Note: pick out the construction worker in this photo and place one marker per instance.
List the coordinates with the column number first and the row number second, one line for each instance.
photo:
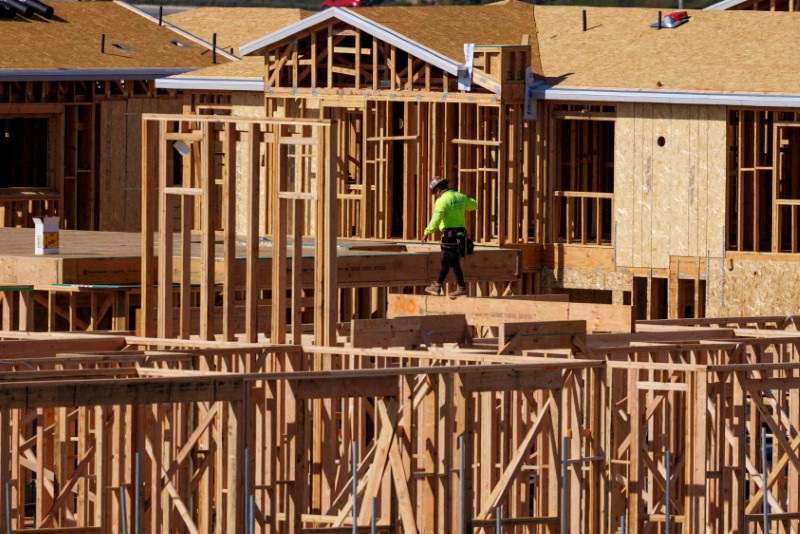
column 449, row 216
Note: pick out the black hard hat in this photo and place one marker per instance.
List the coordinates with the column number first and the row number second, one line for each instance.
column 438, row 182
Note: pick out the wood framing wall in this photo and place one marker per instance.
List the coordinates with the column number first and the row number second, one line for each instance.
column 403, row 121
column 609, row 421
column 93, row 147
column 672, row 168
column 199, row 193
column 597, row 196
column 669, row 199
column 119, row 138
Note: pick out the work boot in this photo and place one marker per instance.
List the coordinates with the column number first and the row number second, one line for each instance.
column 460, row 290
column 434, row 289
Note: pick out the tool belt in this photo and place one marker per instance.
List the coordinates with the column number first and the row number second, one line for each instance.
column 457, row 240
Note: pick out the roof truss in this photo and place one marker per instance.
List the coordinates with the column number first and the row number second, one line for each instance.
column 337, row 49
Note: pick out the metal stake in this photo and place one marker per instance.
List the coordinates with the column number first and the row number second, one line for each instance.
column 8, row 506
column 251, row 521
column 355, row 487
column 123, row 511
column 764, row 501
column 564, row 486
column 137, row 498
column 462, row 489
column 722, row 283
column 374, row 523
column 246, row 489
column 666, row 496
column 498, row 518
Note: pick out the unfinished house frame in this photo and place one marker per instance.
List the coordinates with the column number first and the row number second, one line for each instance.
column 288, row 379
column 70, row 111
column 614, row 190
column 658, row 429
column 401, row 120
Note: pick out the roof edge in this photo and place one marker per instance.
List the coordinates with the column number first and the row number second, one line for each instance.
column 723, row 5
column 542, row 92
column 213, row 84
column 350, row 17
column 178, row 30
column 545, row 92
column 287, row 31
column 34, row 75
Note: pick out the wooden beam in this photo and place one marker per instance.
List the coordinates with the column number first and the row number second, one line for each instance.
column 494, row 312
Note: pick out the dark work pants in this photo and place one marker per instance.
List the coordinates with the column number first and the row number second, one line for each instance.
column 450, row 255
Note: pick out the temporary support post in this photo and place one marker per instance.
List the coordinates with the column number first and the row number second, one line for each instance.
column 355, row 487
column 765, row 492
column 137, row 495
column 666, row 493
column 462, row 527
column 374, row 524
column 564, row 463
column 123, row 512
column 8, row 506
column 251, row 517
column 498, row 525
column 246, row 491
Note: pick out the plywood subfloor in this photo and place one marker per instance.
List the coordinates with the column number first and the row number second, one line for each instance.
column 101, row 258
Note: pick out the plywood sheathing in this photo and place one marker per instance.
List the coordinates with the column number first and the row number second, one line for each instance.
column 668, row 198
column 71, row 40
column 445, row 29
column 554, row 280
column 764, row 5
column 248, row 105
column 754, row 284
column 119, row 149
column 235, row 26
column 717, row 51
column 249, row 68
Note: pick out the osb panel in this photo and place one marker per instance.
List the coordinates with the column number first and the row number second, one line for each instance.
column 715, row 51
column 624, row 180
column 669, row 199
column 249, row 68
column 246, row 105
column 120, row 158
column 701, row 159
column 662, row 178
column 445, row 29
column 643, row 184
column 680, row 182
column 753, row 287
column 133, row 163
column 235, row 26
column 716, row 164
column 554, row 280
column 111, row 170
column 72, row 41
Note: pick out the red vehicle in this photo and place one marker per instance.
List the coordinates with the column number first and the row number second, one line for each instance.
column 345, row 3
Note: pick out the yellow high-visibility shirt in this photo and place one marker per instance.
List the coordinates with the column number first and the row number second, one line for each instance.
column 450, row 211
